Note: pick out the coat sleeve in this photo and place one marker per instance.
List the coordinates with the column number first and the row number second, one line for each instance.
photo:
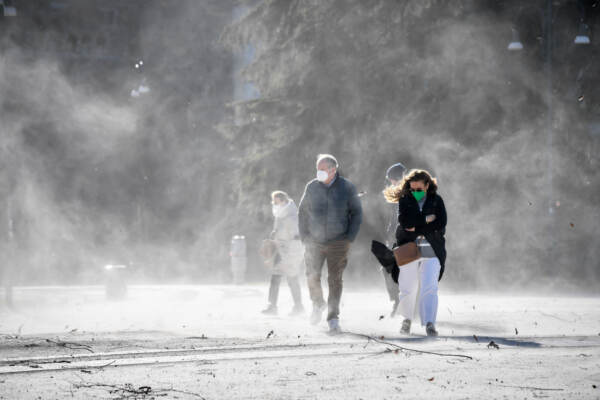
column 409, row 213
column 303, row 210
column 276, row 228
column 295, row 231
column 403, row 236
column 440, row 218
column 354, row 214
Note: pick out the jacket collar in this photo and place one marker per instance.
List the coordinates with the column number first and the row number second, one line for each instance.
column 334, row 180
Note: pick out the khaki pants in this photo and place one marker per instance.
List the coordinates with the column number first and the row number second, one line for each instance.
column 336, row 254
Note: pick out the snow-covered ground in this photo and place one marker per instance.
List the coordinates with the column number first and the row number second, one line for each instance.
column 212, row 342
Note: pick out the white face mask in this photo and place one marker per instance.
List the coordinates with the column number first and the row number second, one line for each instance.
column 322, row 175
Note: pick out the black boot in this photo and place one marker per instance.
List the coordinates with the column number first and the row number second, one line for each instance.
column 430, row 329
column 405, row 327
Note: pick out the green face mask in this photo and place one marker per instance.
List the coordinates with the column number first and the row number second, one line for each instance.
column 418, row 195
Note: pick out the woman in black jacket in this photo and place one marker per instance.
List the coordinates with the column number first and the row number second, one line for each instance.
column 422, row 219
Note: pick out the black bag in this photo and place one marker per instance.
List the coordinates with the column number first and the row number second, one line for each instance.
column 386, row 258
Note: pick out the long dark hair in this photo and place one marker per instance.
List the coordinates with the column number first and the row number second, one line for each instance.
column 393, row 194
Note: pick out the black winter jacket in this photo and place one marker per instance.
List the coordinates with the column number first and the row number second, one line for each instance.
column 410, row 216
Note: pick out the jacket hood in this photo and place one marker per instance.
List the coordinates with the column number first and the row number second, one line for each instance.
column 287, row 210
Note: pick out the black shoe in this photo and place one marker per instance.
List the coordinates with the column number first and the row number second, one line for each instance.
column 270, row 310
column 405, row 327
column 430, row 329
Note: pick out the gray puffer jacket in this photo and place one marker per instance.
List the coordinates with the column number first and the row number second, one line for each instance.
column 329, row 213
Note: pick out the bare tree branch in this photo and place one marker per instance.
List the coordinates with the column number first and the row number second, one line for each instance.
column 406, row 348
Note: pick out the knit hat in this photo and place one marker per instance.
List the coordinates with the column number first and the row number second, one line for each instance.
column 395, row 172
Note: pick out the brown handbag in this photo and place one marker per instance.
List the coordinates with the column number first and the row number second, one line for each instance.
column 268, row 251
column 406, row 253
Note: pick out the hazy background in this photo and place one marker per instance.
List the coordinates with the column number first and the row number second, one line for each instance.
column 96, row 169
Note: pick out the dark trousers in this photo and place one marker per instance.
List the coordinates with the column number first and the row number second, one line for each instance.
column 336, row 254
column 294, row 285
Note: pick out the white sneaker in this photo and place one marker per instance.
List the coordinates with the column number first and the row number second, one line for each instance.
column 270, row 310
column 297, row 310
column 334, row 326
column 317, row 314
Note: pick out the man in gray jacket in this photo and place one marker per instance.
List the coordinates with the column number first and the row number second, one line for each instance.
column 330, row 215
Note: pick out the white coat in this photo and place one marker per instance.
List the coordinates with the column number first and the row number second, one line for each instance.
column 285, row 234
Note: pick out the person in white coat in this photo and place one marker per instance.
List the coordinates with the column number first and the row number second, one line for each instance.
column 394, row 176
column 287, row 257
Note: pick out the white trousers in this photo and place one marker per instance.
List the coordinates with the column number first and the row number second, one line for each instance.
column 419, row 279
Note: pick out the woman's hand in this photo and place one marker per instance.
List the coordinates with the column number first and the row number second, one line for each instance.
column 410, row 229
column 430, row 218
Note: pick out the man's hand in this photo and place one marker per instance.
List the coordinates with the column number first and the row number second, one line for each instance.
column 430, row 218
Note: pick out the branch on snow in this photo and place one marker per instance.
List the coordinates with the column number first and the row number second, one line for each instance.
column 406, row 348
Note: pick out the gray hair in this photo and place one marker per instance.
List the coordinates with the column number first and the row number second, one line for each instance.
column 329, row 159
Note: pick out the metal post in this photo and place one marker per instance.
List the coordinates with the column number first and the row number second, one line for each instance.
column 10, row 259
column 549, row 125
